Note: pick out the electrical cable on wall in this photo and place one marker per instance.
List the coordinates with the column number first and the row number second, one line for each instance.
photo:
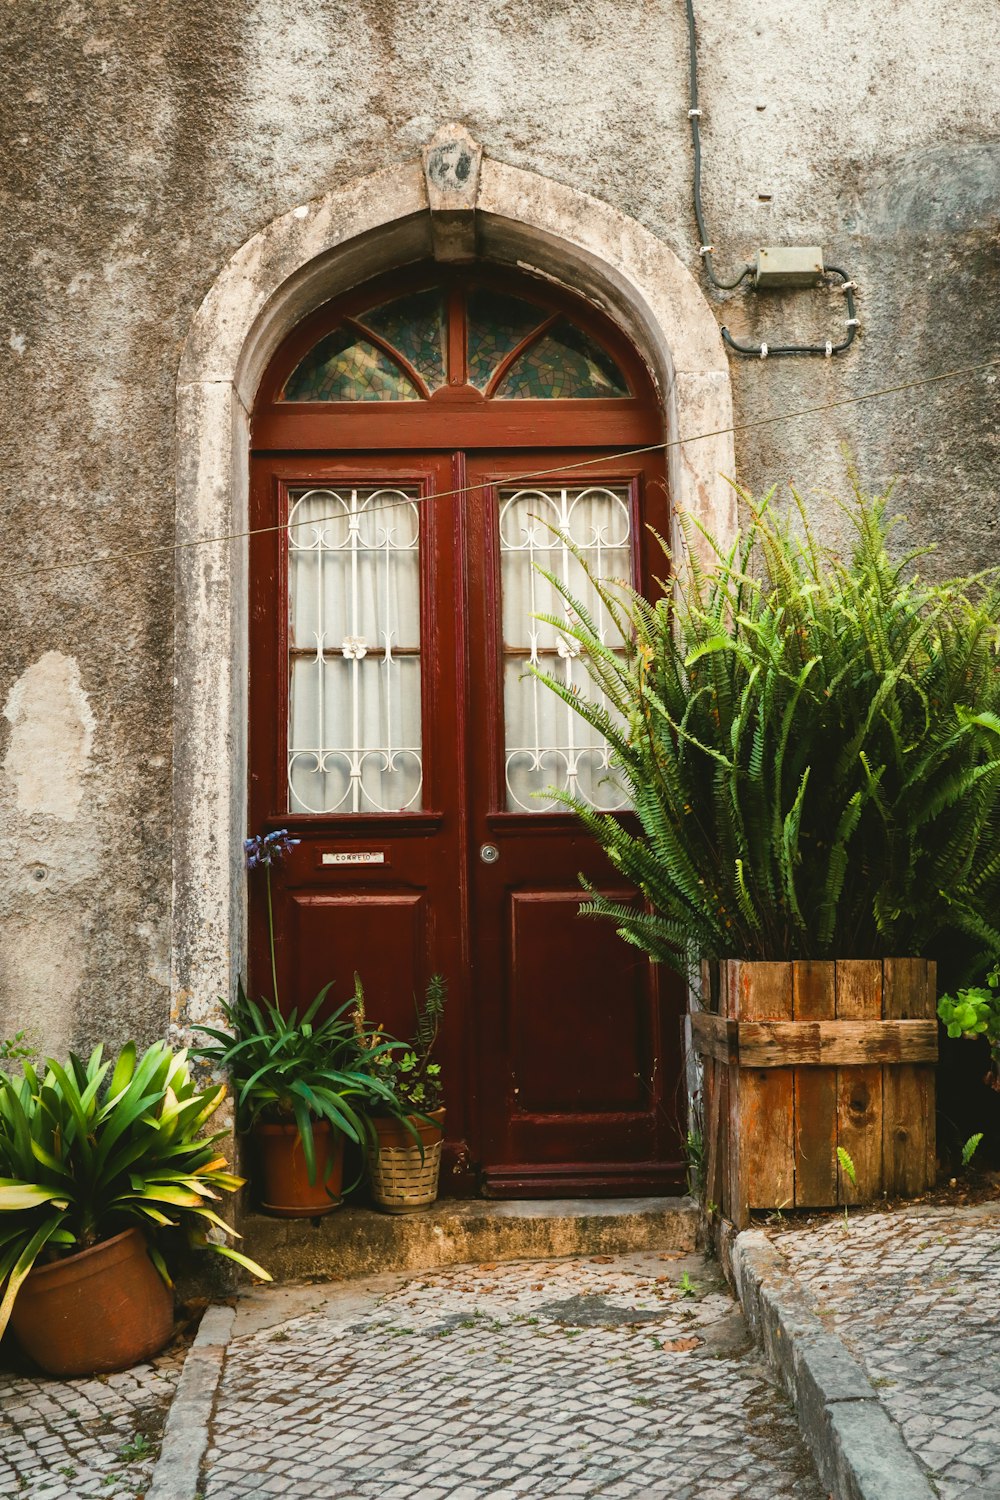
column 775, row 267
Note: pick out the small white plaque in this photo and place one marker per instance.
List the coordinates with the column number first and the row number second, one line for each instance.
column 356, row 857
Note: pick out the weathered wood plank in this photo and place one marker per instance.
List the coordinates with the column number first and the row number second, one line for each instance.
column 931, row 1160
column 859, row 1089
column 765, row 1112
column 714, row 1036
column 714, row 1108
column 814, row 999
column 711, row 1095
column 786, row 1044
column 908, row 1091
column 736, row 1208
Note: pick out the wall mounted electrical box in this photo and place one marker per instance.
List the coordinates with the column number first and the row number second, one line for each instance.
column 789, row 265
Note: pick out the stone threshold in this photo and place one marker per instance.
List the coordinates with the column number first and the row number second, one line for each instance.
column 363, row 1242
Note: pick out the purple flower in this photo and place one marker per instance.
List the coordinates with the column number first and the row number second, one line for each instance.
column 266, row 849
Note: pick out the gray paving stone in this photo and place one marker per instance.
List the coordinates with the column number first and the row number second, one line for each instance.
column 914, row 1293
column 505, row 1382
column 49, row 1427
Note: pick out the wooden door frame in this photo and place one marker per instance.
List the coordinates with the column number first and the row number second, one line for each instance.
column 292, row 265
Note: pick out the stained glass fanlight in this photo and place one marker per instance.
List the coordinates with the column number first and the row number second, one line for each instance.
column 497, row 323
column 344, row 367
column 565, row 363
column 398, row 350
column 417, row 326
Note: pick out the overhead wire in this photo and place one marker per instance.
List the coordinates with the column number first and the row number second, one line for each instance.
column 604, row 458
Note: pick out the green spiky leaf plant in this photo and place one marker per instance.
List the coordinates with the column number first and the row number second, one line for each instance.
column 87, row 1151
column 811, row 747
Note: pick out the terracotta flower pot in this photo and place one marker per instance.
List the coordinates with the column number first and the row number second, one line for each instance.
column 285, row 1189
column 102, row 1309
column 401, row 1181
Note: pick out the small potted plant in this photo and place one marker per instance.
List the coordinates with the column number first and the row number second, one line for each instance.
column 99, row 1167
column 404, row 1158
column 299, row 1085
column 301, row 1090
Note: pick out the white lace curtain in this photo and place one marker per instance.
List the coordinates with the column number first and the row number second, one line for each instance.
column 354, row 733
column 547, row 744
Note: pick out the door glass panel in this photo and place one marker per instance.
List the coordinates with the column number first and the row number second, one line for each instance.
column 354, row 728
column 344, row 367
column 566, row 364
column 547, row 744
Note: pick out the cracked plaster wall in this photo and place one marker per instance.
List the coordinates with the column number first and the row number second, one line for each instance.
column 143, row 145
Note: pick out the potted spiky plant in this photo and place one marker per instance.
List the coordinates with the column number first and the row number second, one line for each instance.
column 99, row 1167
column 302, row 1088
column 811, row 747
column 404, row 1156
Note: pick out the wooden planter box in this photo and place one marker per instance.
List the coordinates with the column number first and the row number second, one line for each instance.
column 801, row 1058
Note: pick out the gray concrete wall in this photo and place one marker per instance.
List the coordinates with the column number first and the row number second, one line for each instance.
column 144, row 144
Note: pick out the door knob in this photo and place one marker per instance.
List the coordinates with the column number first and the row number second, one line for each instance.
column 489, row 854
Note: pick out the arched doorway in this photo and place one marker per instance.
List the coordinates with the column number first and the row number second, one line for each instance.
column 425, row 441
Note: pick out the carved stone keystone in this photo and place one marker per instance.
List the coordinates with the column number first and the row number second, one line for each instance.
column 451, row 169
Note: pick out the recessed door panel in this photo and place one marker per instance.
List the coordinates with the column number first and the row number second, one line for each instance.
column 381, row 935
column 562, row 968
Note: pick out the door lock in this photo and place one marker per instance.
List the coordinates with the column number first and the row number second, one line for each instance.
column 489, row 854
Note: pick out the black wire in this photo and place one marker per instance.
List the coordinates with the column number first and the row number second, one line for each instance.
column 699, row 213
column 757, row 350
column 845, row 343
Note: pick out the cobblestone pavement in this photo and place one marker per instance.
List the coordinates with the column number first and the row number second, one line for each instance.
column 915, row 1295
column 60, row 1439
column 615, row 1377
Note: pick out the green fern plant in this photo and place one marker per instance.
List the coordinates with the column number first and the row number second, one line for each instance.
column 811, row 747
column 971, row 1147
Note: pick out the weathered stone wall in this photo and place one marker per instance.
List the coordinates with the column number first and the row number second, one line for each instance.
column 144, row 144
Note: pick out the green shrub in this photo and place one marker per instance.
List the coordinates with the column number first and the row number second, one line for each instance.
column 812, row 749
column 975, row 1012
column 85, row 1155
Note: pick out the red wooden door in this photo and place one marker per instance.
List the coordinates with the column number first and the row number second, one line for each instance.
column 374, row 886
column 577, row 1032
column 395, row 730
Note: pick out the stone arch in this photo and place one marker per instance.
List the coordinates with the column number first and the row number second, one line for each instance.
column 293, row 265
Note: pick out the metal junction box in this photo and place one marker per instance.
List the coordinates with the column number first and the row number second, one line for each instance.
column 789, row 265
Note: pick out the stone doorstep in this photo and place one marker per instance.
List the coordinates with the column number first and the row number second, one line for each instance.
column 354, row 1242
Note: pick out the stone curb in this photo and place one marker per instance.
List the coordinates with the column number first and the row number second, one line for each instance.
column 185, row 1437
column 858, row 1449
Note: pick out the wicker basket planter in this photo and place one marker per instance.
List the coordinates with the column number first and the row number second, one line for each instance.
column 402, row 1182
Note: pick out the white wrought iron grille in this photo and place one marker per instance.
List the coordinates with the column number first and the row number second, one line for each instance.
column 354, row 731
column 546, row 743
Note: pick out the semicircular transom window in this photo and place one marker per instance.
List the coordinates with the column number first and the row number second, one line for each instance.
column 506, row 347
